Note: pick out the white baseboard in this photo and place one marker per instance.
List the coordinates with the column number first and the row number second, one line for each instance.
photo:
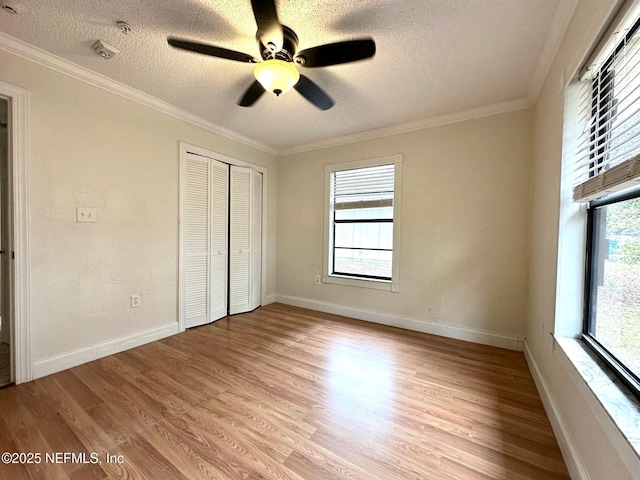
column 510, row 342
column 63, row 361
column 571, row 455
column 269, row 299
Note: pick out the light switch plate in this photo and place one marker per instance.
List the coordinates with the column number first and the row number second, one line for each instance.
column 85, row 214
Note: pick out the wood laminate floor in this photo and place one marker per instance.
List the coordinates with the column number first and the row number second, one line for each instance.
column 286, row 393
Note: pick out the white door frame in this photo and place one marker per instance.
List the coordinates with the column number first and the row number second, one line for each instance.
column 18, row 252
column 188, row 148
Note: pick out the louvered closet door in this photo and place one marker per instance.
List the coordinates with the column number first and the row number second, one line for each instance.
column 219, row 238
column 240, row 240
column 196, row 240
column 206, row 246
column 256, row 240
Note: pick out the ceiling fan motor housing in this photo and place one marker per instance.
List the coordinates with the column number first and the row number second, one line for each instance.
column 289, row 46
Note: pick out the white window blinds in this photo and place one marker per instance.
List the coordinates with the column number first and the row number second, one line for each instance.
column 363, row 188
column 608, row 154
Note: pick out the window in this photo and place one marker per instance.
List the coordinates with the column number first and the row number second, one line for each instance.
column 361, row 226
column 362, row 222
column 608, row 170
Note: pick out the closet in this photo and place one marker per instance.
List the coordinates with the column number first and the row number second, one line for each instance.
column 221, row 267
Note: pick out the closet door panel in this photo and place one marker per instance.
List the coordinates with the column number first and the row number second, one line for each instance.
column 256, row 240
column 240, row 239
column 196, row 241
column 219, row 239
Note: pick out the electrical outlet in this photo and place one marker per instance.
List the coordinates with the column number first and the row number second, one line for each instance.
column 317, row 280
column 85, row 214
column 135, row 300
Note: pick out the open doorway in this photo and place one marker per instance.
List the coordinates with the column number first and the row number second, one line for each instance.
column 14, row 231
column 5, row 315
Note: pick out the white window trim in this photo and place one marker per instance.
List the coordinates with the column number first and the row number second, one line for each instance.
column 394, row 284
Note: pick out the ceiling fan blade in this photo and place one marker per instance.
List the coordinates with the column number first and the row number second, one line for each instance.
column 253, row 93
column 312, row 92
column 269, row 27
column 210, row 50
column 336, row 53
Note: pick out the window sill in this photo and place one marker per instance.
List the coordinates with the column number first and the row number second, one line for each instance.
column 358, row 282
column 618, row 402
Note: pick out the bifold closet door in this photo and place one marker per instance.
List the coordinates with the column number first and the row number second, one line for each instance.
column 256, row 241
column 205, row 240
column 240, row 239
column 245, row 235
column 219, row 235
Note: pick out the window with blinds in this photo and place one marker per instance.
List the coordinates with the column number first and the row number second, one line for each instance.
column 608, row 161
column 362, row 222
column 608, row 155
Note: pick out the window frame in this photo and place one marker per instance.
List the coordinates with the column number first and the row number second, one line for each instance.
column 390, row 284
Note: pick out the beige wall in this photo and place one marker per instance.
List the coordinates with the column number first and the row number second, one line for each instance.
column 588, row 427
column 91, row 148
column 464, row 237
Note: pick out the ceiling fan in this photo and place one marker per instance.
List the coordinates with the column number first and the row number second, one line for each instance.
column 277, row 71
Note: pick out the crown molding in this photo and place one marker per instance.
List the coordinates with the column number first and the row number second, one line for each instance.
column 470, row 114
column 41, row 57
column 559, row 25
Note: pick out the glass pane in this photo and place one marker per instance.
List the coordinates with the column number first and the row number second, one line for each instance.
column 615, row 281
column 365, row 213
column 364, row 235
column 363, row 262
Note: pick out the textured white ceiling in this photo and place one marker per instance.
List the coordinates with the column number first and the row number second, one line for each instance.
column 434, row 57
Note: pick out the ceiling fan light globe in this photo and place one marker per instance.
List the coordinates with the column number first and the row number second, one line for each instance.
column 276, row 76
